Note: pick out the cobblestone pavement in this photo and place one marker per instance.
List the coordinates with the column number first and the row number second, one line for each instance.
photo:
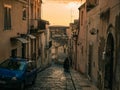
column 54, row 78
column 81, row 82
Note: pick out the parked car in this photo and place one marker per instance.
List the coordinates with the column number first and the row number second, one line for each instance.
column 17, row 72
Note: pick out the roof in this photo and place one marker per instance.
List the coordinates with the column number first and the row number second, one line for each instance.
column 21, row 39
column 31, row 36
column 59, row 26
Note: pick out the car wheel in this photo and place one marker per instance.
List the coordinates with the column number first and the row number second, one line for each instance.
column 22, row 86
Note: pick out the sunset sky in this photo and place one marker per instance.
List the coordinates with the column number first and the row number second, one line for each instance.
column 60, row 12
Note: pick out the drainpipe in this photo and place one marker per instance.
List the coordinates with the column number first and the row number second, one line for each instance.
column 76, row 68
column 28, row 31
column 28, row 23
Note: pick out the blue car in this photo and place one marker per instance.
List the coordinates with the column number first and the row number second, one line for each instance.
column 17, row 72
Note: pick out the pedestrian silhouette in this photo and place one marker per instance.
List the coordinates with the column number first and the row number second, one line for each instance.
column 66, row 65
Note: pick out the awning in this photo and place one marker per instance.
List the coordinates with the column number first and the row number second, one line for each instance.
column 22, row 40
column 31, row 36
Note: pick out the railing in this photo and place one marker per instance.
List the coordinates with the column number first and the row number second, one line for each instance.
column 37, row 25
column 42, row 24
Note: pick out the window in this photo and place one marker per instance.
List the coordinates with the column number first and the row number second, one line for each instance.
column 38, row 12
column 32, row 11
column 24, row 13
column 35, row 9
column 7, row 17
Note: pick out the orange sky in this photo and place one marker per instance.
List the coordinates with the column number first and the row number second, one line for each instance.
column 60, row 12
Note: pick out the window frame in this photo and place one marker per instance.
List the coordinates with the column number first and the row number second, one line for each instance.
column 7, row 17
column 24, row 13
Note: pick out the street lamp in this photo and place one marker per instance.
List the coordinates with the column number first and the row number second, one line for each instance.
column 93, row 31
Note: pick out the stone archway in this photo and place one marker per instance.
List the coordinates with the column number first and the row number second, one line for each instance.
column 108, row 75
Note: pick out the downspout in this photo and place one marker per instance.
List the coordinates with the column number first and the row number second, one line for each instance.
column 76, row 68
column 28, row 31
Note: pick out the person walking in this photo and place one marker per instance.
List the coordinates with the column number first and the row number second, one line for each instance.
column 66, row 65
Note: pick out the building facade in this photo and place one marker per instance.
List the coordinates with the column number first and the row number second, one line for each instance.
column 102, row 28
column 13, row 17
column 81, row 41
column 23, row 33
column 40, row 29
column 101, row 45
column 72, row 50
column 59, row 41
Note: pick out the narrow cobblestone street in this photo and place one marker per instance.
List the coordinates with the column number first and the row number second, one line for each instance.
column 54, row 78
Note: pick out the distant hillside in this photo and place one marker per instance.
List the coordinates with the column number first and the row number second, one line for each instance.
column 59, row 26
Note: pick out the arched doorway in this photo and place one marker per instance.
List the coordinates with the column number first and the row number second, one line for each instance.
column 108, row 75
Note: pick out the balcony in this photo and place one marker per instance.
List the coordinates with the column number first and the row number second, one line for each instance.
column 42, row 24
column 91, row 4
column 38, row 26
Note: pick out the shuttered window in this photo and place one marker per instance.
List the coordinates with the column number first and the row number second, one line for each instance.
column 7, row 17
column 24, row 14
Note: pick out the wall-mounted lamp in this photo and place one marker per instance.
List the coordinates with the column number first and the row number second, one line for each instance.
column 93, row 31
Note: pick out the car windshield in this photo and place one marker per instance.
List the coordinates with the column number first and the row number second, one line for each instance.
column 13, row 65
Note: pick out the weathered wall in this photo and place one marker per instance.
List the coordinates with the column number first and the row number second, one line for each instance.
column 18, row 26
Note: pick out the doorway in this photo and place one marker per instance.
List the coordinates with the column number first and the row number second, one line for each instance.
column 90, row 60
column 14, row 53
column 108, row 75
column 23, row 50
